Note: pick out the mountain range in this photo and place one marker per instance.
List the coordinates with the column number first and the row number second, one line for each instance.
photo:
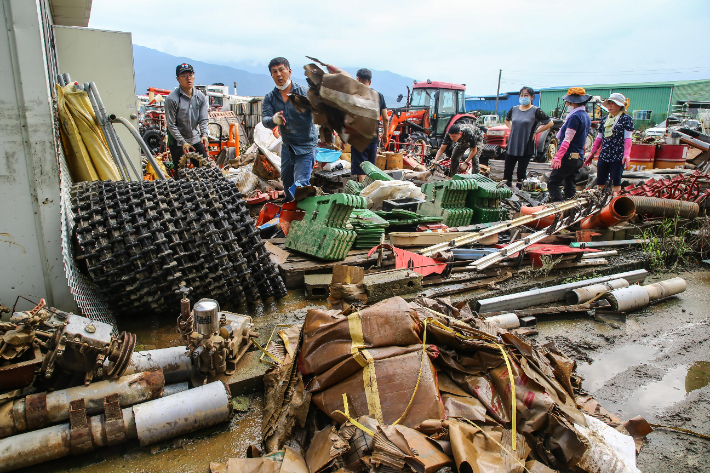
column 154, row 68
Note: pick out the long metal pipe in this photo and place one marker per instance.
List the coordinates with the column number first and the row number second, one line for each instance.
column 104, row 128
column 154, row 421
column 523, row 220
column 67, row 78
column 584, row 294
column 110, row 131
column 175, row 362
column 525, row 299
column 142, row 144
column 42, row 409
column 604, row 244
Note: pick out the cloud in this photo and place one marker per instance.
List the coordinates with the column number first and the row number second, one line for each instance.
column 540, row 43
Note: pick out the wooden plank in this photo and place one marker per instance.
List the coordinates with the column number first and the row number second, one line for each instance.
column 277, row 255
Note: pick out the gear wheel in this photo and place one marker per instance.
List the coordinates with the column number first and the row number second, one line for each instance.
column 192, row 155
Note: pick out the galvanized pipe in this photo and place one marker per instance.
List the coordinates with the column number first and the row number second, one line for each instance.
column 153, row 421
column 583, row 294
column 657, row 207
column 604, row 244
column 525, row 299
column 669, row 287
column 142, row 144
column 628, row 298
column 67, row 78
column 104, row 128
column 50, row 408
column 175, row 362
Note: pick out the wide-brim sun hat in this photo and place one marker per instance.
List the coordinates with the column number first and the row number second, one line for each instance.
column 577, row 95
column 617, row 98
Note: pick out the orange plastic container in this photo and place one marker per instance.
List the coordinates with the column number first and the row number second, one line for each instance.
column 642, row 157
column 670, row 156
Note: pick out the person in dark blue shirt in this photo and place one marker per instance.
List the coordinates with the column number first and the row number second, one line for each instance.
column 364, row 76
column 573, row 137
column 300, row 140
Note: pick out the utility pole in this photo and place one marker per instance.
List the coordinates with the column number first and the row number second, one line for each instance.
column 500, row 71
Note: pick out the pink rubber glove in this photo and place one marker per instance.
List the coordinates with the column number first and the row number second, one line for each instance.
column 595, row 147
column 627, row 153
column 557, row 161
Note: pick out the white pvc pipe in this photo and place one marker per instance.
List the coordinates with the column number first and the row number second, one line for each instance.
column 665, row 288
column 628, row 298
column 506, row 321
column 584, row 294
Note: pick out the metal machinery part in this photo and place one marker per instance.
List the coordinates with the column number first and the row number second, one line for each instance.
column 175, row 362
column 216, row 340
column 152, row 421
column 81, row 345
column 140, row 240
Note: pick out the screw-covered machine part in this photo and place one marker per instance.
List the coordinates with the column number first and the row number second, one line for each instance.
column 140, row 240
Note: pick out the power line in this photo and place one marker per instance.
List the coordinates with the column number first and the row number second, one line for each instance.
column 605, row 74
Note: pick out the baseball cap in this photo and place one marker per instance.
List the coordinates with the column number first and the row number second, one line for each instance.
column 184, row 67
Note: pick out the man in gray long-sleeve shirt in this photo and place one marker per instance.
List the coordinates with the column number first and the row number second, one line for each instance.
column 298, row 153
column 185, row 110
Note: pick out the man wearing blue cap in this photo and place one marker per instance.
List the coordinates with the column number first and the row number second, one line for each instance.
column 186, row 116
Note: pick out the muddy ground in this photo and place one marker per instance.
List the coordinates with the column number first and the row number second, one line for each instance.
column 657, row 364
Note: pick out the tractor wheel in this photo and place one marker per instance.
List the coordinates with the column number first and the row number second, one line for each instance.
column 590, row 141
column 549, row 150
column 421, row 146
column 153, row 138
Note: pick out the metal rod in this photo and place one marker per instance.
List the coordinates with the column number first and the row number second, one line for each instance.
column 125, row 153
column 142, row 144
column 602, row 244
column 103, row 125
column 109, row 129
column 60, row 80
column 474, row 237
column 525, row 299
column 67, row 78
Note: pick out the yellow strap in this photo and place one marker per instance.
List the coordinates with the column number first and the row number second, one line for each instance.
column 513, row 401
column 372, row 394
column 278, row 362
column 353, row 421
column 515, row 457
column 419, row 378
column 358, row 339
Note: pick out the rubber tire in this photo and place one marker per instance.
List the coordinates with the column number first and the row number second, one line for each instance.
column 549, row 150
column 153, row 138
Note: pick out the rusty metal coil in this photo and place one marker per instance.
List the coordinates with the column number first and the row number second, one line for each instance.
column 656, row 207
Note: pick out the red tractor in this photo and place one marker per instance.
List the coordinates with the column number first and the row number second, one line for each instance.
column 420, row 126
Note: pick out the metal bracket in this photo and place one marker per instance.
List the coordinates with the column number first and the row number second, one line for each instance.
column 79, row 431
column 36, row 411
column 113, row 423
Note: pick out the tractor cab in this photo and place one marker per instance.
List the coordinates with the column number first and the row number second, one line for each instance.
column 432, row 107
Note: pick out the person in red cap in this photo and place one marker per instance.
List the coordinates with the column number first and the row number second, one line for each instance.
column 614, row 139
column 186, row 116
column 573, row 137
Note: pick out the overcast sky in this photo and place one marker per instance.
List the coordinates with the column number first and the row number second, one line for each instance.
column 536, row 43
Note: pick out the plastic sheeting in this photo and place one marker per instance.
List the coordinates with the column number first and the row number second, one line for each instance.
column 268, row 144
column 379, row 191
column 84, row 143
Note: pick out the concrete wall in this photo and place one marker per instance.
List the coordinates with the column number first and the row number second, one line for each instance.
column 106, row 58
column 30, row 228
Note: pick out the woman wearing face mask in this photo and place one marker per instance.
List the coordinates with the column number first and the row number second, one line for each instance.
column 573, row 136
column 525, row 121
column 614, row 139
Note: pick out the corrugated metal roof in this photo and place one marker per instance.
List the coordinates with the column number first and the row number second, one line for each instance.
column 637, row 84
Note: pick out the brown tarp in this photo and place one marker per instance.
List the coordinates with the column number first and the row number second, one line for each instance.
column 331, row 337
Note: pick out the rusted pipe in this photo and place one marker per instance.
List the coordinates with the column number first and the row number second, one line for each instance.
column 153, row 421
column 42, row 409
column 656, row 207
column 619, row 209
column 175, row 363
column 583, row 294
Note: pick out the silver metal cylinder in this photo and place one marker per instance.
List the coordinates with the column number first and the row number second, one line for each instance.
column 184, row 412
column 205, row 316
column 628, row 298
column 131, row 390
column 171, row 389
column 666, row 288
column 175, row 363
column 583, row 294
column 507, row 321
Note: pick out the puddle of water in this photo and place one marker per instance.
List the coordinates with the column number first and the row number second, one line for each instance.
column 607, row 365
column 675, row 385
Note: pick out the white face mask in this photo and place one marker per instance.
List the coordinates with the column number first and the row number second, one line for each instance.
column 570, row 108
column 285, row 86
